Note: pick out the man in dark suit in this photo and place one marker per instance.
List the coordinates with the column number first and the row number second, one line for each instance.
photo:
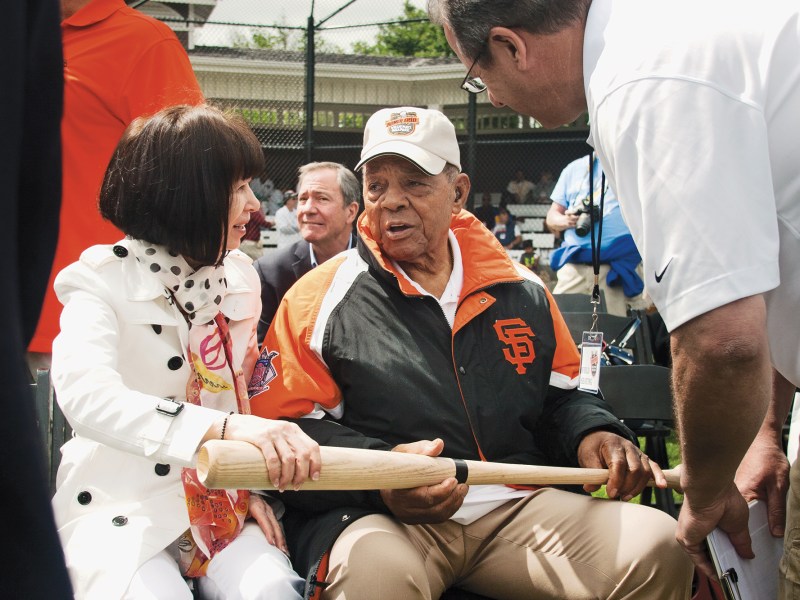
column 30, row 194
column 328, row 199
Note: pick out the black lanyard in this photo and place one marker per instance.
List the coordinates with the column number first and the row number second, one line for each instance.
column 596, row 245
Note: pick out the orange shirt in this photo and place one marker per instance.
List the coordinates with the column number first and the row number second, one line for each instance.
column 118, row 64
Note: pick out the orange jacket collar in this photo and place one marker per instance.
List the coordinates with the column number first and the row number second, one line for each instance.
column 485, row 260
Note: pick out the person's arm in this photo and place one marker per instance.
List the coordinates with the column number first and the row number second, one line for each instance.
column 722, row 384
column 298, row 386
column 557, row 218
column 764, row 471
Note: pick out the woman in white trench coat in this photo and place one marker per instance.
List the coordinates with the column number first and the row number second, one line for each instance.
column 158, row 337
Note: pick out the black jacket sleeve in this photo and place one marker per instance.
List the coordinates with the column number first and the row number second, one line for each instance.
column 569, row 415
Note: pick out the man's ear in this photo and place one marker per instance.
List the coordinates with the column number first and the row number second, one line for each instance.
column 462, row 187
column 508, row 44
column 352, row 212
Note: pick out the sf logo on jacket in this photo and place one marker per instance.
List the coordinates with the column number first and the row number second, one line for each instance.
column 518, row 336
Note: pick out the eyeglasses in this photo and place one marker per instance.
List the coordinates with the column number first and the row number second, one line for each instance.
column 474, row 85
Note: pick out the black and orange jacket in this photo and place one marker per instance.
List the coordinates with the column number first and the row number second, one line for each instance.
column 357, row 347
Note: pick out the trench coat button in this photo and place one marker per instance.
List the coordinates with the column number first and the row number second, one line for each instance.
column 162, row 469
column 175, row 363
column 120, row 251
column 462, row 370
column 119, row 521
column 156, row 328
column 345, row 517
column 484, row 300
column 84, row 498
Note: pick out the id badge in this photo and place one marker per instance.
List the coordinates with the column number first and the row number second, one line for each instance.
column 591, row 352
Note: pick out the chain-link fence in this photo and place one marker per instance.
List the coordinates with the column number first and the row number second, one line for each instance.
column 307, row 105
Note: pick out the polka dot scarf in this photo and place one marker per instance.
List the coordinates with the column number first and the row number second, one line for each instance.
column 198, row 293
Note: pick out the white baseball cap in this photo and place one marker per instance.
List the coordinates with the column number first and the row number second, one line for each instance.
column 424, row 136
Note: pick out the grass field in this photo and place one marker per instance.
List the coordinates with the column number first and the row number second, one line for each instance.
column 674, row 453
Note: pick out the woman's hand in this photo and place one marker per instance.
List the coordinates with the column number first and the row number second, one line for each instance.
column 290, row 455
column 262, row 512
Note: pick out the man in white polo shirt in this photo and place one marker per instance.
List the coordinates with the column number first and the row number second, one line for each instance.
column 695, row 116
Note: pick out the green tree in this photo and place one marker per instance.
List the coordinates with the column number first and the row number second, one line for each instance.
column 414, row 36
column 283, row 38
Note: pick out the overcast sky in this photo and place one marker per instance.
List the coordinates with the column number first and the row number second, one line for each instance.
column 296, row 12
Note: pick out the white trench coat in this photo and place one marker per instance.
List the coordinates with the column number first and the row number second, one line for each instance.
column 120, row 498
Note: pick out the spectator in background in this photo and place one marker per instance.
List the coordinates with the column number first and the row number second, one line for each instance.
column 329, row 197
column 544, row 187
column 505, row 230
column 286, row 221
column 528, row 256
column 118, row 64
column 271, row 197
column 263, row 187
column 32, row 566
column 251, row 242
column 487, row 213
column 519, row 189
column 620, row 263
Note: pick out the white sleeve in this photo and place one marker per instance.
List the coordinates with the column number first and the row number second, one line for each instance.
column 285, row 222
column 690, row 165
column 96, row 401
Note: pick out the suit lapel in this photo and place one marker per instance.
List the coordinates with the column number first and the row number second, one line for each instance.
column 302, row 254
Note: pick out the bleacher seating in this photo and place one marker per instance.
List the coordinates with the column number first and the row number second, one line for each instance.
column 529, row 210
column 541, row 240
column 531, row 224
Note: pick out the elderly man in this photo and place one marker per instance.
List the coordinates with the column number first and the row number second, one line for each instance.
column 703, row 158
column 427, row 338
column 328, row 196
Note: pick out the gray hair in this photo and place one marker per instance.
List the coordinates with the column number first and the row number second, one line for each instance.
column 472, row 20
column 345, row 178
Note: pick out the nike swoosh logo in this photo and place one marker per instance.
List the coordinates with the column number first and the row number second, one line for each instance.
column 660, row 276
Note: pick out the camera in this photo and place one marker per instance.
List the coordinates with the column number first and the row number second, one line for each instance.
column 584, row 212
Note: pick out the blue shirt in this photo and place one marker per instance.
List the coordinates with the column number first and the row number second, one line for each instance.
column 572, row 187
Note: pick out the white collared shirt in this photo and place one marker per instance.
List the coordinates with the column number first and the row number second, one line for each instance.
column 449, row 299
column 313, row 257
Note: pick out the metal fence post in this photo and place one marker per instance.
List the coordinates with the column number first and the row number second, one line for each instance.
column 310, row 67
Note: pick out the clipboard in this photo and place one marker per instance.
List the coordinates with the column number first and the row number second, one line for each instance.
column 742, row 578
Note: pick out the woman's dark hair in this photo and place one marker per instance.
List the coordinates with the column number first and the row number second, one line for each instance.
column 171, row 178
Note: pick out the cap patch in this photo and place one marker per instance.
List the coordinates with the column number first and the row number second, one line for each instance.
column 402, row 123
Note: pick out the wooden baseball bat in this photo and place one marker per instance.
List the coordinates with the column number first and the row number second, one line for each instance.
column 240, row 465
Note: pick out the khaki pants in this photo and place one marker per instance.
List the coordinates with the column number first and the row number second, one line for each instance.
column 579, row 279
column 551, row 544
column 789, row 580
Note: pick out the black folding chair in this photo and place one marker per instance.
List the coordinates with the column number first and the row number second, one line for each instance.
column 53, row 427
column 640, row 396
